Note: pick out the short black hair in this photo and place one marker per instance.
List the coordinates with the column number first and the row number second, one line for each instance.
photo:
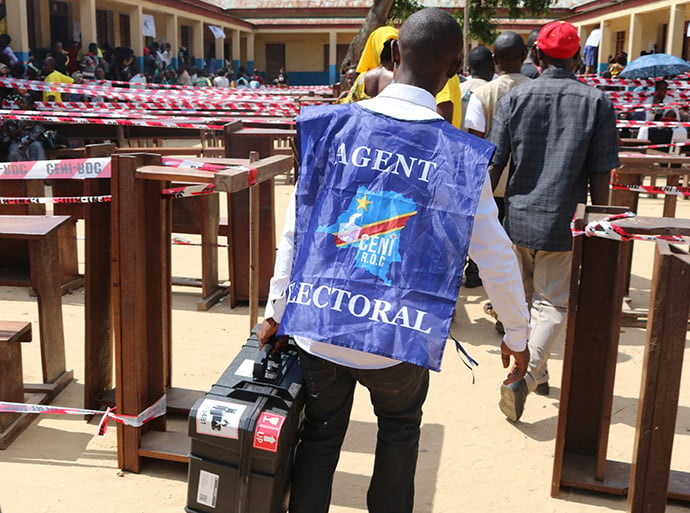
column 480, row 59
column 509, row 46
column 386, row 54
column 427, row 34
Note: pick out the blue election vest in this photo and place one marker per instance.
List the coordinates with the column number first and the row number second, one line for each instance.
column 384, row 216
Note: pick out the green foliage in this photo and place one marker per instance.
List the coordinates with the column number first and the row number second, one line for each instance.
column 483, row 12
column 401, row 10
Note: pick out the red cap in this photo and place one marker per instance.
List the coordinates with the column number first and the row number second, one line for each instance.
column 558, row 40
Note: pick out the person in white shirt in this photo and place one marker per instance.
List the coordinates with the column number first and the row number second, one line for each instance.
column 220, row 80
column 397, row 389
column 674, row 134
column 509, row 53
column 660, row 97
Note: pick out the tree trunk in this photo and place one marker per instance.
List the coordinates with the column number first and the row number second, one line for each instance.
column 377, row 16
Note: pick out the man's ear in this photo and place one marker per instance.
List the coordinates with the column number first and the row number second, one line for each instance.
column 395, row 52
column 455, row 68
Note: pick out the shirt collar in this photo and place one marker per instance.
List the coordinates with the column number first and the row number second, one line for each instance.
column 558, row 73
column 409, row 93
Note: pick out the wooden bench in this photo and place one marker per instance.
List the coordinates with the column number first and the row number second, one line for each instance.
column 41, row 234
column 589, row 365
column 12, row 333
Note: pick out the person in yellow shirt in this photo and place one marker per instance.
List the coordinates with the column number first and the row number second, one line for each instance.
column 449, row 101
column 375, row 65
column 52, row 75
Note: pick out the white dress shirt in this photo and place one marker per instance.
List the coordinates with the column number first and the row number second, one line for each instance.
column 489, row 247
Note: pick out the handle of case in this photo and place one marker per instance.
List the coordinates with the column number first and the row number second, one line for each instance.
column 261, row 361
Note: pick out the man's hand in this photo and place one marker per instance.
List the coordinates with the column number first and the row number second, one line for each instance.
column 519, row 367
column 266, row 331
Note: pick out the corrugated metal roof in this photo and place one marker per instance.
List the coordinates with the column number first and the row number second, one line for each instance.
column 263, row 22
column 346, row 4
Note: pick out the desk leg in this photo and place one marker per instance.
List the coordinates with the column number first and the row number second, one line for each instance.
column 661, row 377
column 670, row 199
column 209, row 219
column 45, row 279
column 98, row 339
column 589, row 360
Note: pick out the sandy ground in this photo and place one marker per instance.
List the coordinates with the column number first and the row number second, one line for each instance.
column 471, row 458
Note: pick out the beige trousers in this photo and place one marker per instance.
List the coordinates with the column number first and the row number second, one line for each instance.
column 546, row 278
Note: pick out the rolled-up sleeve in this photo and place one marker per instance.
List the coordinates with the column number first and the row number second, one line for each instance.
column 493, row 253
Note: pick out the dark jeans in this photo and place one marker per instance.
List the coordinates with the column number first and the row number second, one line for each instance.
column 397, row 394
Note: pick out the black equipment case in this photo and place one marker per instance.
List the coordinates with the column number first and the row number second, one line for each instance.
column 244, row 433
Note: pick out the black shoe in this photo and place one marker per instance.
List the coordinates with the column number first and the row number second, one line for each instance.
column 513, row 399
column 543, row 388
column 499, row 327
column 472, row 278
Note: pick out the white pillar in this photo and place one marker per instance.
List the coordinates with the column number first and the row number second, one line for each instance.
column 250, row 52
column 136, row 34
column 18, row 28
column 171, row 36
column 236, row 49
column 87, row 19
column 634, row 37
column 606, row 42
column 198, row 45
column 332, row 56
column 675, row 36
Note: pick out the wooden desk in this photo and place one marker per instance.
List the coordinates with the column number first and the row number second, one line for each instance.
column 239, row 144
column 41, row 233
column 12, row 334
column 15, row 253
column 635, row 166
column 141, row 280
column 589, row 363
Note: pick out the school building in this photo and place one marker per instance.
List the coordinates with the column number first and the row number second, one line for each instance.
column 633, row 26
column 308, row 37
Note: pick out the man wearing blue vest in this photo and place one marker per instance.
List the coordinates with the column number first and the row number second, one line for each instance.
column 390, row 197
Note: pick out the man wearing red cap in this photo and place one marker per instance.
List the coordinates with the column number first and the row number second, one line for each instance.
column 560, row 135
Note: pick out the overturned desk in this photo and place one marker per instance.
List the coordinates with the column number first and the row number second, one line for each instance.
column 589, row 367
column 142, row 288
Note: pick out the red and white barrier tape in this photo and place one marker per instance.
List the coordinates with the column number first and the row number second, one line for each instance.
column 669, row 190
column 58, row 119
column 288, row 109
column 55, row 200
column 180, row 241
column 640, row 107
column 657, row 146
column 189, row 191
column 625, row 123
column 117, row 93
column 595, row 80
column 97, row 168
column 156, row 410
column 66, row 168
column 605, row 228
